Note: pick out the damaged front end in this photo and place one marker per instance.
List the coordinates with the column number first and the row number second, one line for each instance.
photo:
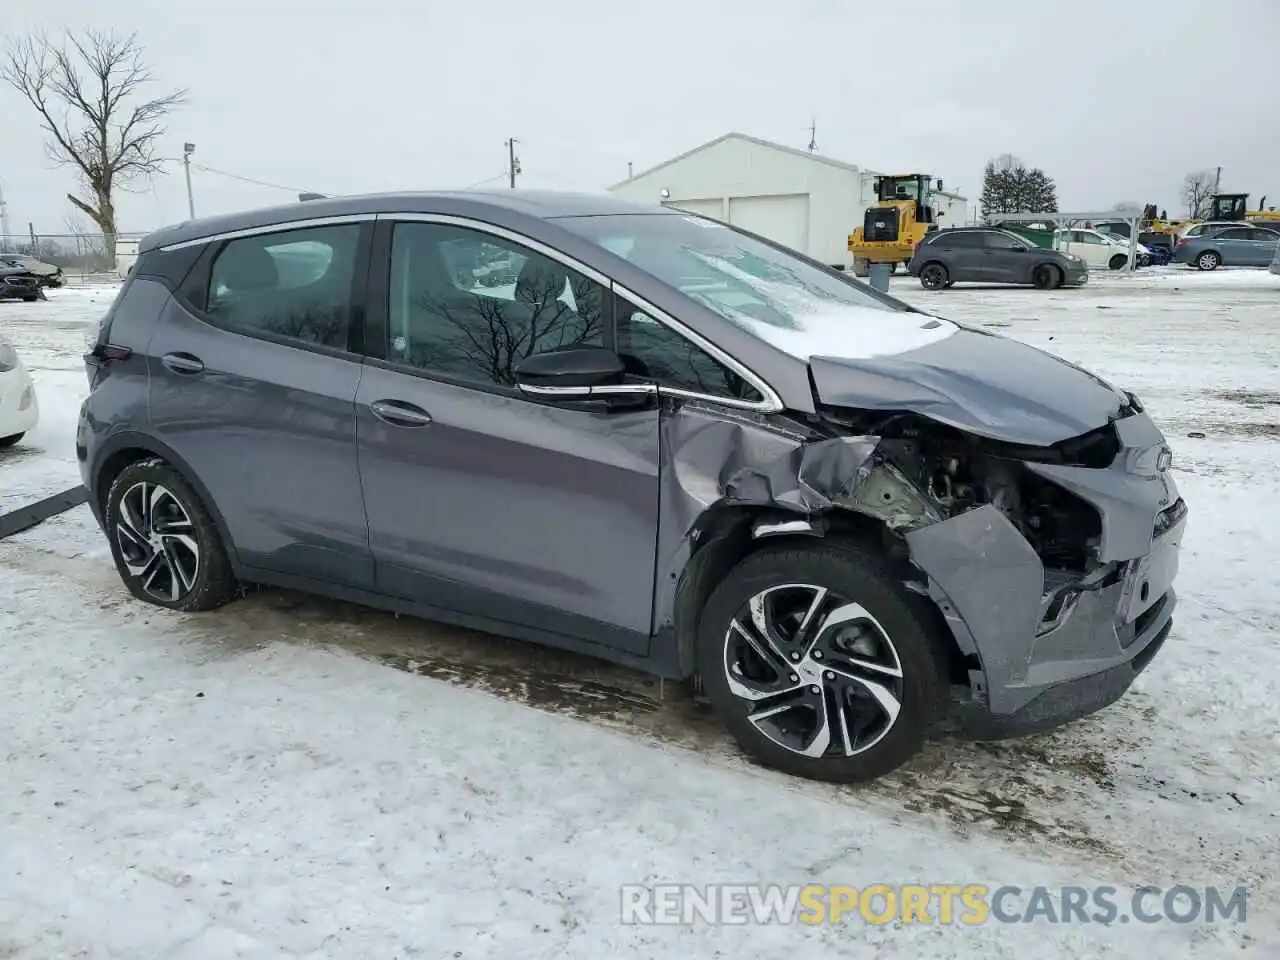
column 1051, row 565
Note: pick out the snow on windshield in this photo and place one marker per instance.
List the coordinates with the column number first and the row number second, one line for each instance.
column 789, row 303
column 805, row 321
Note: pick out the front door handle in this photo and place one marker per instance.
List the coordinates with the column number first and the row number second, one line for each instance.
column 182, row 363
column 399, row 413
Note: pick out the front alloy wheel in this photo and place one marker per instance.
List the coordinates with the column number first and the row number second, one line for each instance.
column 820, row 662
column 155, row 537
column 820, row 674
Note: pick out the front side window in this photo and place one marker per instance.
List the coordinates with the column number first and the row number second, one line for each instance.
column 294, row 284
column 653, row 351
column 469, row 306
column 796, row 306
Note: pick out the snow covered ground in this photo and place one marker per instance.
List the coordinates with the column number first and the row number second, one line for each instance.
column 295, row 777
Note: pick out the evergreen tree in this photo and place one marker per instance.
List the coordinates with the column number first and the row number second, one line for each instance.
column 1009, row 186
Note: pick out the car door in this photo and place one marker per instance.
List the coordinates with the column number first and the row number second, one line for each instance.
column 1090, row 248
column 253, row 373
column 481, row 501
column 1005, row 259
column 1261, row 246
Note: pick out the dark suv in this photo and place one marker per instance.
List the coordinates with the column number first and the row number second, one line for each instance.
column 663, row 441
column 985, row 255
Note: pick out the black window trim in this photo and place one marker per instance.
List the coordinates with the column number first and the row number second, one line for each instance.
column 378, row 317
column 198, row 277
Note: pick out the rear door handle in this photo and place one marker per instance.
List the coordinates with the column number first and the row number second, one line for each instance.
column 399, row 413
column 182, row 363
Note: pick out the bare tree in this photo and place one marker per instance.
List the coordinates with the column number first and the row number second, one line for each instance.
column 89, row 249
column 88, row 90
column 1197, row 193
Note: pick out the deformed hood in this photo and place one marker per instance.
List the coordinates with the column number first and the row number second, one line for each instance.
column 985, row 384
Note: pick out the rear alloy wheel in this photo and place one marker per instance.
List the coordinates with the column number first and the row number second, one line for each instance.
column 165, row 544
column 1209, row 260
column 819, row 663
column 1046, row 277
column 933, row 276
column 1118, row 262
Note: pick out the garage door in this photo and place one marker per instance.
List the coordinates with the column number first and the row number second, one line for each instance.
column 783, row 218
column 707, row 208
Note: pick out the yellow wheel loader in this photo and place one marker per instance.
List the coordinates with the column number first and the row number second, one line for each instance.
column 903, row 214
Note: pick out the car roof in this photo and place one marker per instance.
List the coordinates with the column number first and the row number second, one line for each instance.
column 539, row 204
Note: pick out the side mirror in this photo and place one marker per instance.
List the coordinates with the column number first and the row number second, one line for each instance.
column 575, row 372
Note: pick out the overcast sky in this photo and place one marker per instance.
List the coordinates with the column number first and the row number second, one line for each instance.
column 1115, row 99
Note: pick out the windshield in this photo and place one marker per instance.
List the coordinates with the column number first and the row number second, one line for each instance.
column 802, row 309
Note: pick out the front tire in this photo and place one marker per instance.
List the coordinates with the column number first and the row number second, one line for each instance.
column 1209, row 260
column 164, row 542
column 820, row 663
column 1046, row 277
column 10, row 440
column 1118, row 262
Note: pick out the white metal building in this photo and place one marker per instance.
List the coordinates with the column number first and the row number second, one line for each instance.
column 805, row 200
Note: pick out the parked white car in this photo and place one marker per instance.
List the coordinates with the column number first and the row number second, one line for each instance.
column 19, row 411
column 1098, row 249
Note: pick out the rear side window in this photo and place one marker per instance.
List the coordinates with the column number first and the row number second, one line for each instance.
column 965, row 240
column 294, row 284
column 1000, row 241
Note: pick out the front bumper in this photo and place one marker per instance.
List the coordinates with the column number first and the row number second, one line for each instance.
column 19, row 409
column 1051, row 646
column 1076, row 276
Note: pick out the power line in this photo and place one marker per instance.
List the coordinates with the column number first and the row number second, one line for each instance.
column 242, row 179
column 481, row 183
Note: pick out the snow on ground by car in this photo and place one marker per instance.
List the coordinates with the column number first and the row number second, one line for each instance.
column 261, row 781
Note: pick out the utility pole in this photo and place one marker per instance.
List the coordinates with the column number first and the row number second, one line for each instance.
column 187, row 150
column 4, row 222
column 813, row 135
column 630, row 176
column 513, row 162
column 1217, row 180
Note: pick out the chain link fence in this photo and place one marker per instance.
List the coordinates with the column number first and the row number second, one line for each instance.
column 83, row 257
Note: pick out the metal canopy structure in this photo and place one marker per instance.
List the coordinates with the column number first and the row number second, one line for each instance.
column 1068, row 219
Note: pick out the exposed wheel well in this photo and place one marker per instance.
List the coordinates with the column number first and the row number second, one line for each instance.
column 727, row 541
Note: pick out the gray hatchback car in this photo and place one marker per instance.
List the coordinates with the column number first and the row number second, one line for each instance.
column 664, row 442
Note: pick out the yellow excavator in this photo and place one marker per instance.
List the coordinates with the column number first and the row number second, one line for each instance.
column 903, row 214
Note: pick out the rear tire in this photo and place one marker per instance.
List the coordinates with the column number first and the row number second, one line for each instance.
column 164, row 542
column 845, row 678
column 1209, row 260
column 934, row 276
column 1046, row 277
